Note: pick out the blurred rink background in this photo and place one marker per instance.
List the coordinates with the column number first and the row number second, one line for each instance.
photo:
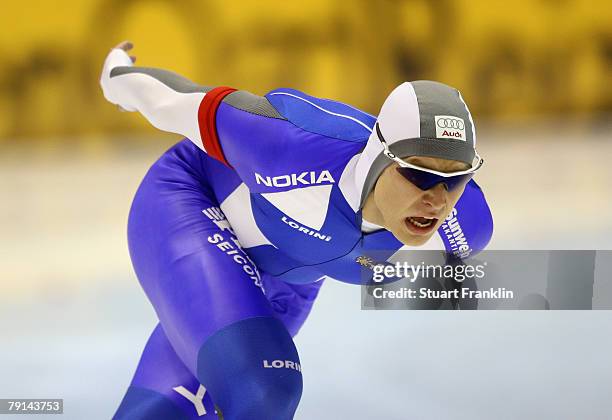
column 537, row 75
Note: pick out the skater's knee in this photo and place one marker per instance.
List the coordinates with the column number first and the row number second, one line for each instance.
column 252, row 370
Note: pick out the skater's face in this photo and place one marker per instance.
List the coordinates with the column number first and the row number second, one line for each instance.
column 412, row 214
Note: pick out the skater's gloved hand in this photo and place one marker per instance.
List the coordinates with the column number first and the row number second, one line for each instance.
column 118, row 56
column 126, row 46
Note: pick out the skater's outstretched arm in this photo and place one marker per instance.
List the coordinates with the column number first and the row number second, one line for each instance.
column 175, row 104
column 167, row 100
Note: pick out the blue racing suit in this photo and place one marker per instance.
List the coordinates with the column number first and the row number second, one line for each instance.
column 235, row 228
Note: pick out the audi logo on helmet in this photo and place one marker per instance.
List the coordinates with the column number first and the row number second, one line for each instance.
column 450, row 127
column 450, row 123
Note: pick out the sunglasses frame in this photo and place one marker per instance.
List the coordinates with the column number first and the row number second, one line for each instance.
column 404, row 164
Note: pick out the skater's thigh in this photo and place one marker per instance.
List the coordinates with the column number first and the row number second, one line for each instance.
column 207, row 292
column 186, row 257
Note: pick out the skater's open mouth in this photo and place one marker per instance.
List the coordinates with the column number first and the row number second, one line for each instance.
column 422, row 221
column 420, row 225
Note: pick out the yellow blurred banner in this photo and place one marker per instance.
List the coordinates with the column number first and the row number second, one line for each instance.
column 519, row 58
